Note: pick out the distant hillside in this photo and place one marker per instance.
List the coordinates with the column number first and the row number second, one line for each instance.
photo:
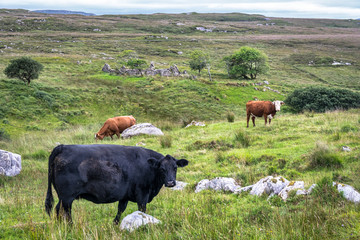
column 64, row 12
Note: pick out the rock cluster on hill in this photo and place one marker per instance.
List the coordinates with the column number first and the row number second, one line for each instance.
column 272, row 186
column 172, row 71
column 10, row 163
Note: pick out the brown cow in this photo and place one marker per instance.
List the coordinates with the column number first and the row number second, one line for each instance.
column 115, row 125
column 262, row 108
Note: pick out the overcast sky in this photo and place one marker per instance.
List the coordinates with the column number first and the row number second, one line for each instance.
column 344, row 9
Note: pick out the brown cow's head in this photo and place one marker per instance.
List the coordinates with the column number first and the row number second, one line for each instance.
column 97, row 136
column 278, row 104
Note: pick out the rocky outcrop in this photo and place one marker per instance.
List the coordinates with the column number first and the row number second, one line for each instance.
column 173, row 71
column 217, row 184
column 10, row 163
column 179, row 185
column 272, row 186
column 136, row 220
column 141, row 129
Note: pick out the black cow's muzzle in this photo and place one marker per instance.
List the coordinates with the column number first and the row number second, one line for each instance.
column 170, row 184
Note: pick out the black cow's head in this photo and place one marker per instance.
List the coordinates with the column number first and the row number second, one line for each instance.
column 167, row 168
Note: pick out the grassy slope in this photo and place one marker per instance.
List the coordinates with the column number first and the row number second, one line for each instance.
column 72, row 98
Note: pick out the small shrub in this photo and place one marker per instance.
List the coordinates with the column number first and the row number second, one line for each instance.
column 166, row 141
column 323, row 157
column 281, row 163
column 348, row 128
column 326, row 193
column 272, row 170
column 220, row 157
column 243, row 138
column 230, row 117
column 292, row 173
column 4, row 135
column 276, row 201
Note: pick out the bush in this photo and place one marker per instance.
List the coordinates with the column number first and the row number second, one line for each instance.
column 320, row 99
column 243, row 138
column 326, row 192
column 230, row 117
column 166, row 141
column 323, row 157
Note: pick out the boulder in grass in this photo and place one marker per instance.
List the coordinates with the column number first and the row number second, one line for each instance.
column 293, row 185
column 136, row 220
column 141, row 129
column 179, row 185
column 269, row 185
column 218, row 184
column 349, row 192
column 10, row 163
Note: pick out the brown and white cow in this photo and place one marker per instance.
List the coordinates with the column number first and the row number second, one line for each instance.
column 115, row 125
column 267, row 109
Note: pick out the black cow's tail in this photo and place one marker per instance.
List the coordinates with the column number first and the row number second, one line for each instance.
column 49, row 201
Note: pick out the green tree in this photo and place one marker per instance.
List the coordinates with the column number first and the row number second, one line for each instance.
column 199, row 60
column 246, row 63
column 24, row 68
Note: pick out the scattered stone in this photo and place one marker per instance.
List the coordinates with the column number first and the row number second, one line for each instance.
column 106, row 68
column 194, row 123
column 10, row 163
column 291, row 186
column 140, row 144
column 217, row 184
column 346, row 149
column 141, row 129
column 136, row 220
column 266, row 82
column 349, row 192
column 179, row 185
column 244, row 189
column 173, row 71
column 269, row 185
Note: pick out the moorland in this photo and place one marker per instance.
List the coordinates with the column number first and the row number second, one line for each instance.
column 73, row 97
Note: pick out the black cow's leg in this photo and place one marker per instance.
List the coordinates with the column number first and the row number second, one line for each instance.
column 253, row 120
column 67, row 211
column 64, row 208
column 121, row 208
column 142, row 207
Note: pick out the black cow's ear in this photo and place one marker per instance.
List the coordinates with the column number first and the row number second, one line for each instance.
column 154, row 163
column 182, row 162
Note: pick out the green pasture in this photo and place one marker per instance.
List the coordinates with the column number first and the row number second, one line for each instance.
column 72, row 98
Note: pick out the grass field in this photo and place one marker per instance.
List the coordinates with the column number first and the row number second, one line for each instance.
column 73, row 97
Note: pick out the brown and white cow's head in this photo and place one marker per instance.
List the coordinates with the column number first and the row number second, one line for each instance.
column 98, row 136
column 277, row 105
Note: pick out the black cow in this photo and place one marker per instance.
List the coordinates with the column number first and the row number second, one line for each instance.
column 106, row 174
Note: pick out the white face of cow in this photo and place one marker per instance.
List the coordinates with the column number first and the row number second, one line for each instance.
column 277, row 105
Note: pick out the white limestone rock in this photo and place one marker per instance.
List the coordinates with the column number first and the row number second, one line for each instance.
column 269, row 185
column 218, row 184
column 141, row 129
column 179, row 185
column 10, row 163
column 136, row 220
column 291, row 186
column 349, row 192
